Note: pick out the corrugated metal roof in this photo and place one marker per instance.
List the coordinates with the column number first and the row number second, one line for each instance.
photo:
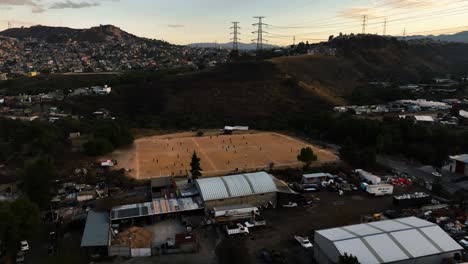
column 462, row 158
column 96, row 232
column 391, row 240
column 217, row 188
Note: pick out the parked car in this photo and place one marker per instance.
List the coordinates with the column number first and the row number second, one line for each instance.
column 304, row 241
column 290, row 205
column 464, row 242
column 52, row 236
column 24, row 246
column 20, row 257
column 436, row 174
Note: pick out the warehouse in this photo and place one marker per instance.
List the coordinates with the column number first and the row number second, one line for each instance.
column 255, row 189
column 403, row 240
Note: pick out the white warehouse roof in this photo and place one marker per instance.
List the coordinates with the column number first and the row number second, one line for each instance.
column 217, row 188
column 387, row 241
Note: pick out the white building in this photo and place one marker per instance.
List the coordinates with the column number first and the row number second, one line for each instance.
column 398, row 241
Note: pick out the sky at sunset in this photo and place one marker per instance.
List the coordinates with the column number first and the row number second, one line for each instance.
column 188, row 21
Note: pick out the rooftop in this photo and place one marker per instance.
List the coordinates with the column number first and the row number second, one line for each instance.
column 96, row 232
column 235, row 186
column 391, row 240
column 462, row 158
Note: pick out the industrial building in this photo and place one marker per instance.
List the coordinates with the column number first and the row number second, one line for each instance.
column 255, row 189
column 400, row 241
column 459, row 164
column 96, row 233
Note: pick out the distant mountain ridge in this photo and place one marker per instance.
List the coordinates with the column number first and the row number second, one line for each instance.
column 461, row 37
column 228, row 45
column 99, row 34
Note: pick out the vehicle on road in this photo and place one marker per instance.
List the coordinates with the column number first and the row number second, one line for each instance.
column 304, row 241
column 24, row 246
column 436, row 174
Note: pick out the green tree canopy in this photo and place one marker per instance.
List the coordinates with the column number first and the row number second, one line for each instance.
column 20, row 221
column 348, row 259
column 195, row 166
column 37, row 177
column 307, row 156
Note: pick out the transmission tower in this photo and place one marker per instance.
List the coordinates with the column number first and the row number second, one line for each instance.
column 364, row 23
column 9, row 24
column 385, row 27
column 294, row 40
column 235, row 39
column 404, row 33
column 259, row 33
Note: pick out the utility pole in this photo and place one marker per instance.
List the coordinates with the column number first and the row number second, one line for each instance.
column 294, row 40
column 364, row 23
column 259, row 33
column 9, row 24
column 404, row 33
column 235, row 33
column 385, row 27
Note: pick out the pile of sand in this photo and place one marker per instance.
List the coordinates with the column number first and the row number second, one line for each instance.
column 136, row 237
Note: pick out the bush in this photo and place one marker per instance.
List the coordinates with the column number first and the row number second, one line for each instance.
column 98, row 146
column 200, row 133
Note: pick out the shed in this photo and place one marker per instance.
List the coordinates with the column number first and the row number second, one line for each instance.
column 403, row 240
column 459, row 164
column 251, row 188
column 96, row 233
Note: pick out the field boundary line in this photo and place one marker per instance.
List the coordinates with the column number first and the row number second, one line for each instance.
column 204, row 154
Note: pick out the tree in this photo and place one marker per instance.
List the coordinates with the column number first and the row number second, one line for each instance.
column 20, row 220
column 195, row 166
column 307, row 156
column 348, row 259
column 97, row 147
column 37, row 177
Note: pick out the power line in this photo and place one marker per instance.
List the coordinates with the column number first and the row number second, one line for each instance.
column 259, row 33
column 235, row 33
column 385, row 28
column 364, row 21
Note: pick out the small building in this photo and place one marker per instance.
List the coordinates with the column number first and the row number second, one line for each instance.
column 397, row 241
column 315, row 178
column 424, row 119
column 256, row 189
column 459, row 164
column 96, row 233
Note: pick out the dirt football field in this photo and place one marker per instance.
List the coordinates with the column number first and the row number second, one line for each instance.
column 170, row 155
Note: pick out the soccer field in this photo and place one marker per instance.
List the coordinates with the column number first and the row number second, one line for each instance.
column 170, row 155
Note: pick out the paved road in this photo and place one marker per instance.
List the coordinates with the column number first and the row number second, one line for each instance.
column 424, row 172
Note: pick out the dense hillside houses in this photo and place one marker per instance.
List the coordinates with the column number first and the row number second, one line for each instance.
column 23, row 54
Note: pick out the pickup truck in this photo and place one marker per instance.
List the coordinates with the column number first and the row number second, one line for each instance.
column 255, row 223
column 237, row 229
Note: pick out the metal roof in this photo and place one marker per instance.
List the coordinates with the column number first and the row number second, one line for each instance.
column 462, row 158
column 316, row 175
column 235, row 186
column 390, row 240
column 156, row 207
column 96, row 232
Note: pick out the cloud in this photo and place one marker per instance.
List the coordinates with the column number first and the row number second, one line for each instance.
column 71, row 4
column 409, row 4
column 359, row 12
column 175, row 26
column 17, row 3
column 37, row 9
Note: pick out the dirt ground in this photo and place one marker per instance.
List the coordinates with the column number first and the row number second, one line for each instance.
column 329, row 210
column 170, row 155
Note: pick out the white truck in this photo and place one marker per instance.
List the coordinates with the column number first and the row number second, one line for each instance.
column 236, row 229
column 380, row 189
column 368, row 177
column 255, row 222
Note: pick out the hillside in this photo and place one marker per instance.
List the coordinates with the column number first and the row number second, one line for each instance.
column 103, row 33
column 274, row 93
column 460, row 37
column 242, row 46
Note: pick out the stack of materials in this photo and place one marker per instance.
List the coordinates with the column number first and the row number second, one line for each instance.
column 412, row 200
column 135, row 237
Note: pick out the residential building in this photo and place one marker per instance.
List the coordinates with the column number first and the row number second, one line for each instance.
column 459, row 164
